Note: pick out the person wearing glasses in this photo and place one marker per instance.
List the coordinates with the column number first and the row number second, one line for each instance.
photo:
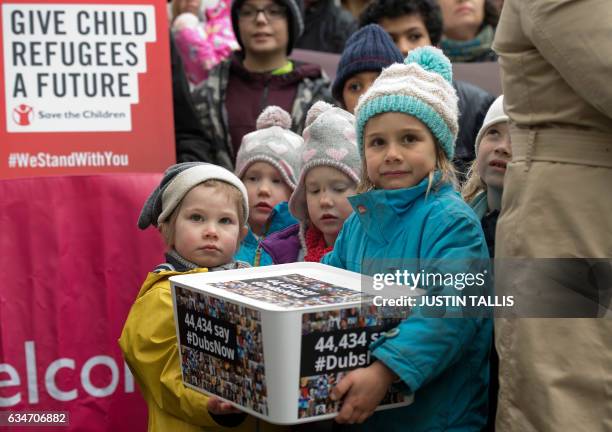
column 261, row 74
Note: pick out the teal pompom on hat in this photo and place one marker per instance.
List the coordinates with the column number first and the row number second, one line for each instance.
column 422, row 88
column 432, row 60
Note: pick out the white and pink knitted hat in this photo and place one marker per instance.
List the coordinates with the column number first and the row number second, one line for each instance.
column 329, row 140
column 273, row 142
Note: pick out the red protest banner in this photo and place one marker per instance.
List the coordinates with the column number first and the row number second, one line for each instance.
column 73, row 262
column 86, row 88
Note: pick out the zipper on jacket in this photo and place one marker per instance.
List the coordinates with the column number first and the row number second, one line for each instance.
column 228, row 137
column 259, row 251
column 224, row 72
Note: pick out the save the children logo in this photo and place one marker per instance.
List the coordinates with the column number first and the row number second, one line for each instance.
column 78, row 64
column 22, row 115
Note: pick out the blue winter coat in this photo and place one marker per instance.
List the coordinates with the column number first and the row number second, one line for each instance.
column 280, row 219
column 444, row 361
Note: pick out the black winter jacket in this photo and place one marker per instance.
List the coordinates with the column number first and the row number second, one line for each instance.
column 326, row 27
column 188, row 134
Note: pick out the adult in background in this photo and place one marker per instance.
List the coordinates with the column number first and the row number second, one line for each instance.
column 327, row 26
column 556, row 374
column 239, row 88
column 355, row 7
column 469, row 28
column 415, row 23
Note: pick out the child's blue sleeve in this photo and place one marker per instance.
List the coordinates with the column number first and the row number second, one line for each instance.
column 422, row 346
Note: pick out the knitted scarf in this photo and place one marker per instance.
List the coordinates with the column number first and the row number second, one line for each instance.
column 315, row 244
column 174, row 261
column 472, row 50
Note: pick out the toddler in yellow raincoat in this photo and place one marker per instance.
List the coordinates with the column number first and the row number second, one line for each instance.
column 201, row 211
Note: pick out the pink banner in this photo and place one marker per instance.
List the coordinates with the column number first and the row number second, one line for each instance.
column 72, row 261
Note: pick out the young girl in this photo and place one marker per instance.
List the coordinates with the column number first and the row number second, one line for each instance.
column 268, row 163
column 201, row 211
column 408, row 217
column 485, row 184
column 329, row 174
column 483, row 192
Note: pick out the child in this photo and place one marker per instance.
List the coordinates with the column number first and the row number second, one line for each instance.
column 365, row 54
column 416, row 23
column 483, row 191
column 201, row 211
column 268, row 163
column 485, row 184
column 259, row 75
column 410, row 218
column 329, row 174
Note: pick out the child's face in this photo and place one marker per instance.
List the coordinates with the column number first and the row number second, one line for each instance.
column 207, row 230
column 327, row 190
column 355, row 86
column 494, row 152
column 263, row 33
column 400, row 151
column 266, row 188
column 407, row 31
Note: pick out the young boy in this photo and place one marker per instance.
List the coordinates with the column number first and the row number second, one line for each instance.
column 366, row 53
column 201, row 211
column 416, row 23
column 237, row 89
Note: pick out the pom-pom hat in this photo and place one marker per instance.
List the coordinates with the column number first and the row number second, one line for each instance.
column 177, row 181
column 422, row 88
column 368, row 49
column 329, row 140
column 273, row 143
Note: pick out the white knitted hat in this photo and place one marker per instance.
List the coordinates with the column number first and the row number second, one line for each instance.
column 273, row 142
column 177, row 181
column 421, row 87
column 495, row 115
column 329, row 140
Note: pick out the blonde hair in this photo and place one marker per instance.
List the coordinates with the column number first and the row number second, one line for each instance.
column 168, row 227
column 443, row 164
column 474, row 185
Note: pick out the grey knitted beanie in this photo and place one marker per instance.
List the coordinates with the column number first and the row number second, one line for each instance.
column 329, row 140
column 273, row 143
column 178, row 180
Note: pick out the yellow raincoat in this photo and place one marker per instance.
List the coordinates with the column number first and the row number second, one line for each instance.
column 149, row 346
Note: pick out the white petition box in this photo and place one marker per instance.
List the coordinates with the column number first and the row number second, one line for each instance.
column 274, row 340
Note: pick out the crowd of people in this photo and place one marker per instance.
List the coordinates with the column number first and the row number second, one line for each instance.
column 397, row 161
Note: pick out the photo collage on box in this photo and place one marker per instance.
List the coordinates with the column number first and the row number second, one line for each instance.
column 222, row 348
column 291, row 290
column 334, row 343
